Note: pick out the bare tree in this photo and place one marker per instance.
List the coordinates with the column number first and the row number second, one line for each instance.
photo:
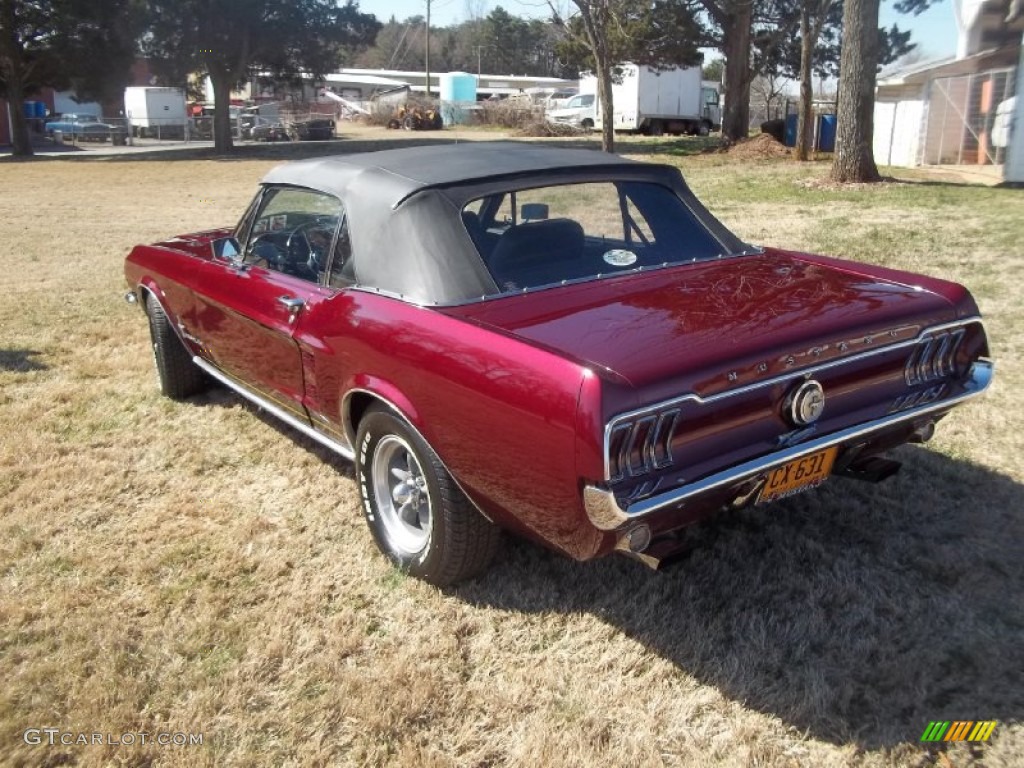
column 767, row 91
column 603, row 34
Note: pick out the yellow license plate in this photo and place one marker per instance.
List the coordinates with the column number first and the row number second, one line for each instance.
column 798, row 475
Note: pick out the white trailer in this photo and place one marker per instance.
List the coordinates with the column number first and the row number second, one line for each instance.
column 671, row 101
column 155, row 111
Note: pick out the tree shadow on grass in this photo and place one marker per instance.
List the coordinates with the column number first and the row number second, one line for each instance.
column 20, row 360
column 855, row 613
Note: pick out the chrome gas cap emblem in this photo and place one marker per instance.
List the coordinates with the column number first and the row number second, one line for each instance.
column 805, row 404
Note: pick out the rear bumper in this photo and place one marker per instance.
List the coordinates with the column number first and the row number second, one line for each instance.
column 606, row 513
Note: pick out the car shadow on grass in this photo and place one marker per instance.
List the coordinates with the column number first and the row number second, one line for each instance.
column 20, row 360
column 855, row 613
column 218, row 396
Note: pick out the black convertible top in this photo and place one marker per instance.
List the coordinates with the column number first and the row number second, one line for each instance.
column 411, row 169
column 403, row 206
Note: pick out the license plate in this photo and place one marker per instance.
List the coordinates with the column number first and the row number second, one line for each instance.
column 798, row 475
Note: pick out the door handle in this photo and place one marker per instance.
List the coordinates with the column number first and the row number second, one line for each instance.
column 293, row 304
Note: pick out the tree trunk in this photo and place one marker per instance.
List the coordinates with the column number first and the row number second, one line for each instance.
column 595, row 28
column 222, row 141
column 804, row 134
column 604, row 95
column 13, row 72
column 736, row 47
column 854, row 159
column 21, row 140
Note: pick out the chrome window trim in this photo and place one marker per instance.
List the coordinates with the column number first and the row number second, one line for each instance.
column 782, row 377
column 606, row 514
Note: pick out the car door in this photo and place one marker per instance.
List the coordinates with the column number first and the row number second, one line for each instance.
column 247, row 308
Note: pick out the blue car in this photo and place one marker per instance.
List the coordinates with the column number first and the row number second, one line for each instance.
column 82, row 127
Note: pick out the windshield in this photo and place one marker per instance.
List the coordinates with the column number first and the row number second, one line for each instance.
column 530, row 238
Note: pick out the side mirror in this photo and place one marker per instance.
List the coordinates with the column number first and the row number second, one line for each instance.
column 227, row 248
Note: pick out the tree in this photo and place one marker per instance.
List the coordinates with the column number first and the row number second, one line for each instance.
column 663, row 34
column 231, row 40
column 853, row 159
column 814, row 15
column 714, row 70
column 816, row 50
column 768, row 89
column 87, row 45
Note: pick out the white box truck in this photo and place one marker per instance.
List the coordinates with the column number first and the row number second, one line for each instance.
column 673, row 101
column 155, row 111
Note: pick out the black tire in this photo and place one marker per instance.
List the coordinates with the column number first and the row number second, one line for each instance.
column 443, row 542
column 177, row 375
column 586, row 123
column 705, row 128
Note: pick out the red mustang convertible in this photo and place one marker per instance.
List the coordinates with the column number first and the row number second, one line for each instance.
column 561, row 343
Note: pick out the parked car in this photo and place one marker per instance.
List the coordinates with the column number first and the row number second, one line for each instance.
column 579, row 111
column 83, row 128
column 258, row 128
column 561, row 343
column 313, row 129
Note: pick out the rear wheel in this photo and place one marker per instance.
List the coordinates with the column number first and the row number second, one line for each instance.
column 418, row 516
column 177, row 375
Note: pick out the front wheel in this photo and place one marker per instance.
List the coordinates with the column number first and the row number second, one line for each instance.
column 177, row 375
column 418, row 516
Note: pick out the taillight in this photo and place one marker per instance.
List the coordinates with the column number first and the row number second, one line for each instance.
column 640, row 446
column 934, row 357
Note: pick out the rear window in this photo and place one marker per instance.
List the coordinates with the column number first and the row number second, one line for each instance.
column 531, row 238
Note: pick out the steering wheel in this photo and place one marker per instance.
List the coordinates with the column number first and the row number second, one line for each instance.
column 301, row 250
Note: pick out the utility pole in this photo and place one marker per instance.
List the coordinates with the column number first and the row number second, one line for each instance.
column 479, row 48
column 427, row 56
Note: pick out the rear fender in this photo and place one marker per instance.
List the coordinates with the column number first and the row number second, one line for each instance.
column 384, row 392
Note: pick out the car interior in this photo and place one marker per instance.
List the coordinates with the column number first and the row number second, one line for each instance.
column 599, row 229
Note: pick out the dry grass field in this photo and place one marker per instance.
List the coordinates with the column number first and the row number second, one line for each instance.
column 191, row 568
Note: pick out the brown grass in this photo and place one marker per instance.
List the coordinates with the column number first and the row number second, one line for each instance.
column 190, row 567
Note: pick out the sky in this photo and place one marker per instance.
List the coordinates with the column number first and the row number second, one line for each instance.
column 934, row 31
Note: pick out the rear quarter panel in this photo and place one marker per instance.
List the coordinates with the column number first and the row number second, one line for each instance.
column 500, row 414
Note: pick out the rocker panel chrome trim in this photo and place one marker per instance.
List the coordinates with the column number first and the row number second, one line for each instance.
column 341, row 449
column 606, row 514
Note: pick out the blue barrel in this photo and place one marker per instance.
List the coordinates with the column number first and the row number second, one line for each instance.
column 790, row 134
column 30, row 108
column 40, row 109
column 827, row 133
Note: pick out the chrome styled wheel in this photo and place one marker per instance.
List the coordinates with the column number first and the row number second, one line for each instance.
column 402, row 495
column 418, row 515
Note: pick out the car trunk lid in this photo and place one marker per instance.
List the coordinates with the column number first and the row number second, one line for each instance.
column 709, row 326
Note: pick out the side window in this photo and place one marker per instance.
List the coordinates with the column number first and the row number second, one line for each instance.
column 292, row 232
column 342, row 272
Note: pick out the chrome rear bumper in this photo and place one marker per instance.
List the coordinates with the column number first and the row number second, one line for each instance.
column 606, row 514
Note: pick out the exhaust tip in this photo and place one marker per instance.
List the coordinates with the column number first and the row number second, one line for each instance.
column 636, row 539
column 923, row 433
